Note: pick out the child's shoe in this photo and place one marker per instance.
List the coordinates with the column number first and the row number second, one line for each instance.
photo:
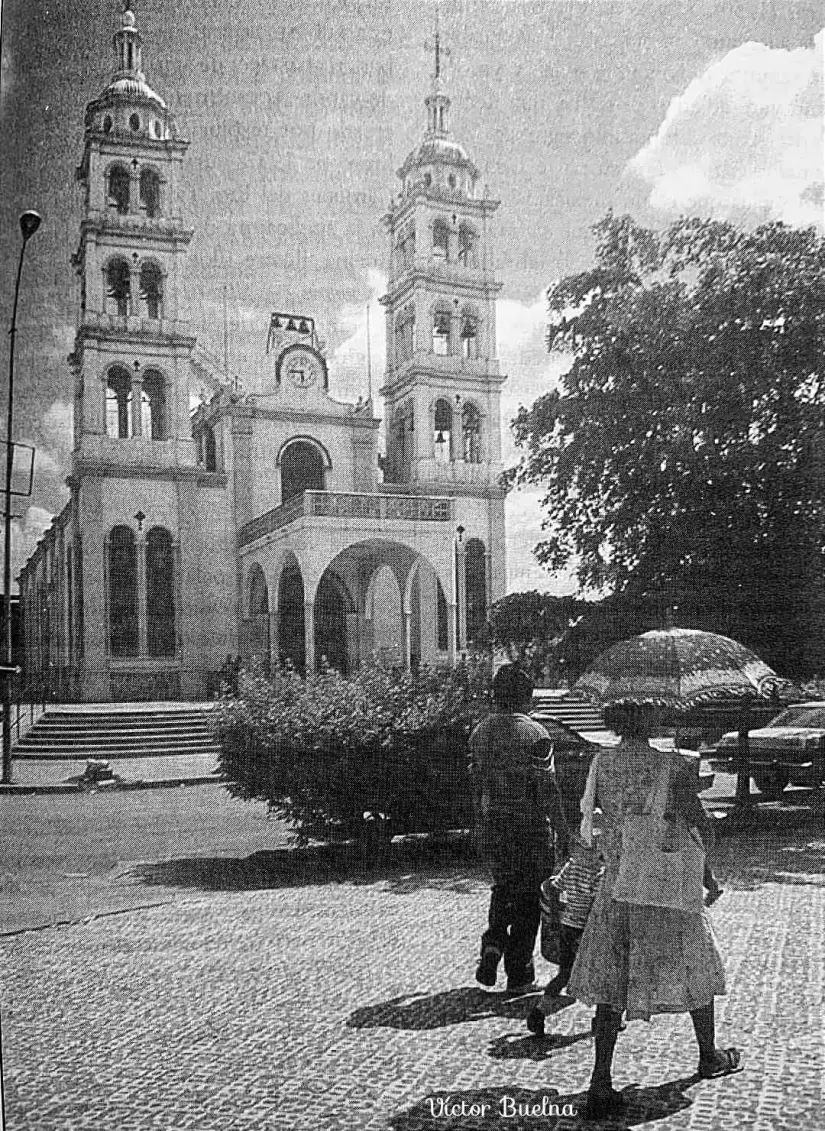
column 713, row 894
column 535, row 1021
column 487, row 969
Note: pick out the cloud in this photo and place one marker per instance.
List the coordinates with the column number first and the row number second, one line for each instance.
column 26, row 532
column 348, row 361
column 744, row 141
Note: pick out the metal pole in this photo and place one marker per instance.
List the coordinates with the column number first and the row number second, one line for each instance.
column 29, row 223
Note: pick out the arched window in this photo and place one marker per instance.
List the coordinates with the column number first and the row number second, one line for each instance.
column 153, row 406
column 467, row 247
column 441, row 333
column 406, row 248
column 443, row 431
column 404, row 335
column 302, row 469
column 475, row 567
column 151, row 290
column 119, row 189
column 471, row 433
column 118, row 403
column 469, row 336
column 117, row 287
column 441, row 240
column 160, row 593
column 210, row 454
column 123, row 590
column 150, row 192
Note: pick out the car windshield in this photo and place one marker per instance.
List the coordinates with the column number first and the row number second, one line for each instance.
column 800, row 716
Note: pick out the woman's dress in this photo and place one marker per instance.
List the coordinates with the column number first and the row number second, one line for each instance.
column 640, row 960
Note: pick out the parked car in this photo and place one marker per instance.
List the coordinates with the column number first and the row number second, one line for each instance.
column 791, row 748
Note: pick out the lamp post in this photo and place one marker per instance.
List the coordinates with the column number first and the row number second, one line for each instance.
column 29, row 223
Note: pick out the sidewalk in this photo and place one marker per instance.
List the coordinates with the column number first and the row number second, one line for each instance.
column 254, row 996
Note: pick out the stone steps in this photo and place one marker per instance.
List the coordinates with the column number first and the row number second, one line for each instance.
column 119, row 734
column 575, row 713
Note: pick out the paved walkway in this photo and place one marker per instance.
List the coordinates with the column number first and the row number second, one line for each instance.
column 276, row 990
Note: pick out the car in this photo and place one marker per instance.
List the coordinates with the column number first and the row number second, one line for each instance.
column 791, row 748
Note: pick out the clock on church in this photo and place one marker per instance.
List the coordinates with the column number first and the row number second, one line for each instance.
column 302, row 366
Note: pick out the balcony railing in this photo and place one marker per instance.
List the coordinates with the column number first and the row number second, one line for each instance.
column 336, row 504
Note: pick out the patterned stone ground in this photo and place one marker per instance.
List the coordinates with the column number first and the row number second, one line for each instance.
column 259, row 997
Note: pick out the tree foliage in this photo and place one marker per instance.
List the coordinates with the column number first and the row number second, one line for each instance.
column 533, row 629
column 684, row 453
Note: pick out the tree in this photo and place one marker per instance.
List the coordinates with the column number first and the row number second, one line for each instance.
column 684, row 455
column 532, row 628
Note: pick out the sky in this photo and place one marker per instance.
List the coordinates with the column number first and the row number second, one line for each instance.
column 299, row 112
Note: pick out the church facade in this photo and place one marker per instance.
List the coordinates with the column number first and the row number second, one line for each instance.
column 268, row 526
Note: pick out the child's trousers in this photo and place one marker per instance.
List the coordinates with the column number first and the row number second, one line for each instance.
column 569, row 939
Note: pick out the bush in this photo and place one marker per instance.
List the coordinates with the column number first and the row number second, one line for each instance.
column 332, row 753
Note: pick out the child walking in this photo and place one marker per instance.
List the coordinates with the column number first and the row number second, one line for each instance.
column 576, row 883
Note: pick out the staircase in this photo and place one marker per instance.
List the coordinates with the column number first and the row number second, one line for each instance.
column 576, row 713
column 119, row 731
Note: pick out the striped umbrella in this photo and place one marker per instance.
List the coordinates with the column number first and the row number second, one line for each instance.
column 678, row 668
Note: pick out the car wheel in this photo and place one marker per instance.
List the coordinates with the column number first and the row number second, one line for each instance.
column 771, row 781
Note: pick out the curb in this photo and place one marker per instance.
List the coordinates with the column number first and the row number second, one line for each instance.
column 45, row 788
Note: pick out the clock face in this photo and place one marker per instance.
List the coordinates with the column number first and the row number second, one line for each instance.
column 302, row 368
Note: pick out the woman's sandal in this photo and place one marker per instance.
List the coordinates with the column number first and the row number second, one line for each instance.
column 725, row 1063
column 602, row 1104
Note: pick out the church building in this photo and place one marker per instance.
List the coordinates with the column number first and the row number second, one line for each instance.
column 269, row 525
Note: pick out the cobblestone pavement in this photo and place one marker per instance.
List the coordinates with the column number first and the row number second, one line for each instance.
column 260, row 995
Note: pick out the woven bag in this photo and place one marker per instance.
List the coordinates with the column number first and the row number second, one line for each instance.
column 662, row 861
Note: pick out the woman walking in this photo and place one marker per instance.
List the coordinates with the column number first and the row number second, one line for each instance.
column 635, row 959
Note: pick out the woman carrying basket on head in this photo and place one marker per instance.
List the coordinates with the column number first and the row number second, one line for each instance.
column 644, row 959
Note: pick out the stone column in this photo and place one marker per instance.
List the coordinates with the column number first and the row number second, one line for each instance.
column 309, row 635
column 140, row 549
column 461, row 578
column 353, row 657
column 94, row 682
column 407, row 639
column 137, row 421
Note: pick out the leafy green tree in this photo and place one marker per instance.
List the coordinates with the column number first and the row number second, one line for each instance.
column 684, row 454
column 533, row 628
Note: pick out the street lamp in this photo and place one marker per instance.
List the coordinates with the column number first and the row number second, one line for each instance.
column 29, row 223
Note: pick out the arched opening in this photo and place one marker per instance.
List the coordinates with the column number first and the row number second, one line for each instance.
column 475, row 572
column 471, row 433
column 117, row 288
column 442, row 638
column 443, row 431
column 210, row 453
column 441, row 240
column 118, row 197
column 153, row 405
column 118, row 403
column 332, row 603
column 291, row 644
column 387, row 617
column 441, row 333
column 467, row 247
column 258, row 644
column 469, row 336
column 160, row 593
column 123, row 592
column 151, row 290
column 302, row 469
column 150, row 192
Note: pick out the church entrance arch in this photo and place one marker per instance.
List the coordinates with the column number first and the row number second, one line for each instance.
column 302, row 469
column 291, row 646
column 333, row 605
column 257, row 642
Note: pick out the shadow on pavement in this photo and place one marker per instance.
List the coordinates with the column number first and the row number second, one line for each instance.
column 519, row 1109
column 781, row 857
column 279, row 868
column 433, row 1011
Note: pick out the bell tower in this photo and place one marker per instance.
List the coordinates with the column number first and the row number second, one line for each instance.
column 442, row 385
column 132, row 352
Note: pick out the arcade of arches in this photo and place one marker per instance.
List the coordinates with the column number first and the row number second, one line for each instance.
column 368, row 603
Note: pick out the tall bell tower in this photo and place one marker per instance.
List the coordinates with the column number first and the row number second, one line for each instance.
column 442, row 388
column 141, row 554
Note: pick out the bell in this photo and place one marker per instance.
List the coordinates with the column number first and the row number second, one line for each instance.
column 276, row 322
column 303, row 328
column 440, row 438
column 291, row 325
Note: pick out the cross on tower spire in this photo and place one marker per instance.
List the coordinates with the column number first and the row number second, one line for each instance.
column 439, row 51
